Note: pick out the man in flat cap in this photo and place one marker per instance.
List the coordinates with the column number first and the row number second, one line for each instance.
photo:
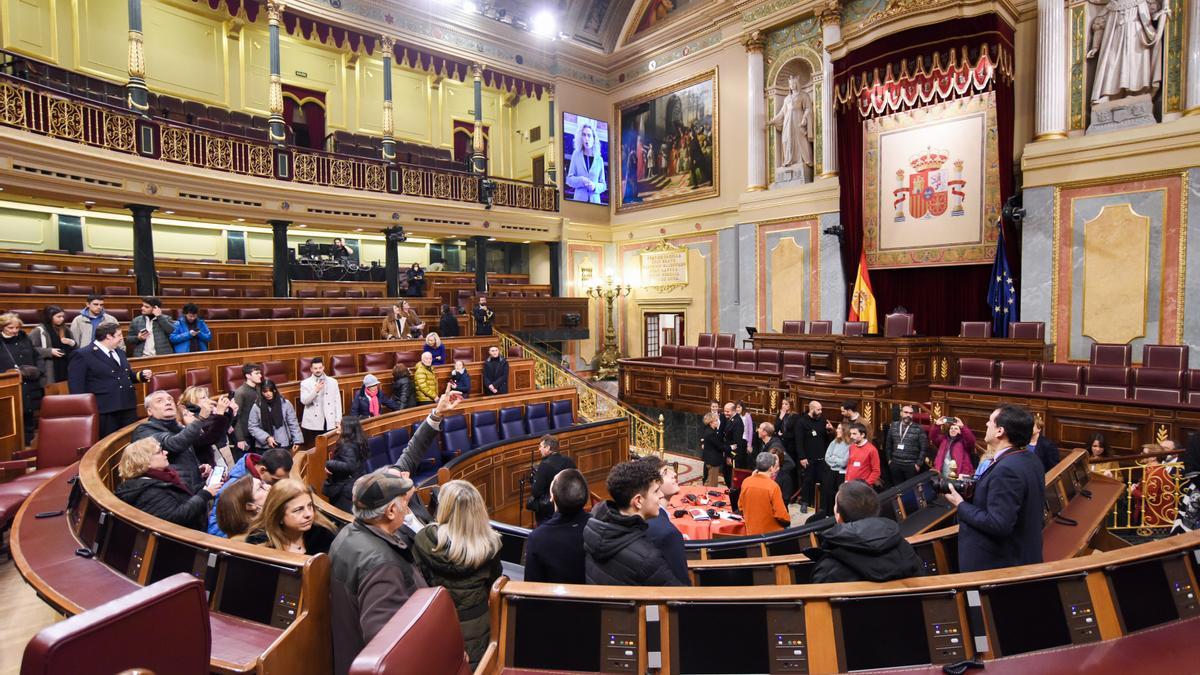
column 372, row 573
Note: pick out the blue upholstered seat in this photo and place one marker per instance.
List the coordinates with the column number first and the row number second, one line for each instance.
column 484, row 431
column 377, row 455
column 455, row 439
column 512, row 423
column 561, row 416
column 537, row 418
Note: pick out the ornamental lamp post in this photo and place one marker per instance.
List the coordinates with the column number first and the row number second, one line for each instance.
column 605, row 362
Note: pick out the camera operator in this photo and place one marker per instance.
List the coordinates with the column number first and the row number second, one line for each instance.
column 1002, row 525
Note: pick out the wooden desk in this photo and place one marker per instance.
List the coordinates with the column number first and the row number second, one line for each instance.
column 1061, row 541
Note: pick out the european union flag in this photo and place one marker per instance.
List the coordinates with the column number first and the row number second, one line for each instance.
column 1002, row 294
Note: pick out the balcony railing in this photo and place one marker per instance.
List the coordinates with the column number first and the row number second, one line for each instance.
column 57, row 114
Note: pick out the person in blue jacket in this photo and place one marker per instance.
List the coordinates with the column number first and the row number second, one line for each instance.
column 433, row 345
column 273, row 465
column 191, row 334
column 460, row 379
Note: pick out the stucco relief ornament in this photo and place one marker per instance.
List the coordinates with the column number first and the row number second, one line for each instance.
column 1126, row 40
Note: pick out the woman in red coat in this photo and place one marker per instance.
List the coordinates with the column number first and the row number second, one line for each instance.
column 954, row 440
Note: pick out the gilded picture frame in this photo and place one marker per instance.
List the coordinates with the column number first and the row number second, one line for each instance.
column 656, row 134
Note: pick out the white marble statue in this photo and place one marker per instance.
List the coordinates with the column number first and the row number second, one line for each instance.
column 1126, row 41
column 795, row 120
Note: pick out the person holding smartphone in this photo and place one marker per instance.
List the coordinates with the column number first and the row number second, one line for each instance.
column 150, row 332
column 322, row 400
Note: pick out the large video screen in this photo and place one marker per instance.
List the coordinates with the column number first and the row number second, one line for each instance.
column 585, row 159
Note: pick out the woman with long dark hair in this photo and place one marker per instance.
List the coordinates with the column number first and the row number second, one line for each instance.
column 1098, row 447
column 272, row 420
column 53, row 343
column 347, row 464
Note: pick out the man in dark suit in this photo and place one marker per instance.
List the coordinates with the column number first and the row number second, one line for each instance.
column 552, row 462
column 1002, row 524
column 102, row 369
column 554, row 550
column 483, row 317
column 735, row 434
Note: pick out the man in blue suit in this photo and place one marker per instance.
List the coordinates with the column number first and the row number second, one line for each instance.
column 1002, row 524
column 102, row 369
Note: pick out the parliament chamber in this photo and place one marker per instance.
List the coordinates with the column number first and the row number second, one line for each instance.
column 450, row 275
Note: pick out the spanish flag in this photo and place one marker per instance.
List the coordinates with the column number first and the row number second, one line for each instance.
column 862, row 300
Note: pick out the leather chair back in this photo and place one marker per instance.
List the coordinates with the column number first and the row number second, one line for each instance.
column 516, row 352
column 191, row 274
column 464, row 354
column 423, row 636
column 1173, row 357
column 339, row 310
column 409, row 359
column 256, row 293
column 331, row 293
column 164, row 627
column 354, row 293
column 119, row 313
column 723, row 358
column 29, row 317
column 378, row 361
column 219, row 313
column 250, row 313
column 483, row 428
column 512, row 423
column 366, row 310
column 276, row 371
column 283, row 313
column 10, row 287
column 168, row 381
column 795, row 364
column 397, row 441
column 377, row 452
column 1018, row 376
column 310, row 313
column 432, row 460
column 9, row 265
column 706, row 340
column 343, row 364
column 455, row 439
column 793, row 327
column 1109, row 382
column 43, row 288
column 67, row 424
column 170, row 291
column 1027, row 330
column 197, row 377
column 667, row 354
column 975, row 329
column 705, row 356
column 1193, row 386
column 745, row 359
column 306, row 293
column 768, row 361
column 43, row 267
column 1158, row 385
column 561, row 416
column 1061, row 378
column 79, row 289
column 687, row 356
column 1111, row 355
column 898, row 325
column 854, row 328
column 228, row 292
column 820, row 328
column 976, row 373
column 537, row 418
column 206, row 292
column 231, row 378
column 724, row 340
column 117, row 290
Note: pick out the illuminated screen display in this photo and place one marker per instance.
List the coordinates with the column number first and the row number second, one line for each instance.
column 585, row 159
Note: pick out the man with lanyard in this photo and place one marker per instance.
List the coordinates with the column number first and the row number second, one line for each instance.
column 906, row 445
column 1002, row 524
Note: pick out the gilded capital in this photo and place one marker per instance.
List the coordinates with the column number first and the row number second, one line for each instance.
column 387, row 43
column 477, row 71
column 754, row 42
column 550, row 92
column 830, row 13
column 275, row 11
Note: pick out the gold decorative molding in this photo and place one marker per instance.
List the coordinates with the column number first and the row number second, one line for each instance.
column 669, row 384
column 937, row 409
column 867, row 412
column 1049, row 136
column 830, row 13
column 774, row 400
column 275, row 11
column 387, row 44
column 902, row 369
column 137, row 55
column 717, row 390
column 663, row 246
column 1161, row 434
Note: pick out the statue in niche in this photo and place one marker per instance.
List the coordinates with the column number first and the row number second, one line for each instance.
column 1126, row 40
column 795, row 123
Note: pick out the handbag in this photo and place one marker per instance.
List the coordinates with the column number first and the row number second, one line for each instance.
column 28, row 373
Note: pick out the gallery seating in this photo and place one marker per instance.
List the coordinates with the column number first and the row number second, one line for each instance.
column 485, row 428
column 512, row 423
column 537, row 418
column 561, row 415
column 1111, row 382
column 1061, row 378
column 1174, row 357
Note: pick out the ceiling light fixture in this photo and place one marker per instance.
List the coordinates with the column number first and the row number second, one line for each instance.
column 544, row 24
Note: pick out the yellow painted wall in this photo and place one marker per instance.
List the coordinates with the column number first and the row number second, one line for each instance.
column 527, row 114
column 28, row 230
column 30, row 27
column 539, row 264
column 692, row 300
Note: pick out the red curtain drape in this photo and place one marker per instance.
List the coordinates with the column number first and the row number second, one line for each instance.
column 313, row 105
column 939, row 297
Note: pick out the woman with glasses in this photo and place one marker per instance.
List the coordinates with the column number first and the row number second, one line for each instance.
column 150, row 484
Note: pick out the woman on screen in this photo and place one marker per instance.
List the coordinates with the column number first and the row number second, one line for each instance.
column 586, row 172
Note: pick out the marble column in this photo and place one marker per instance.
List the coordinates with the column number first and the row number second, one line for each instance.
column 481, row 247
column 831, row 34
column 275, row 123
column 143, row 248
column 756, row 144
column 391, row 260
column 478, row 158
column 280, row 273
column 1192, row 85
column 136, row 94
column 389, row 143
column 1050, row 115
column 551, row 149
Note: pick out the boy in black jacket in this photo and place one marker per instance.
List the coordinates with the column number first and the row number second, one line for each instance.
column 862, row 546
column 618, row 552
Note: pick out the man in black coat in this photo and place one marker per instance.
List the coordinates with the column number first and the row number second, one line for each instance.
column 1002, row 524
column 102, row 369
column 495, row 373
column 735, row 434
column 483, row 317
column 812, row 439
column 448, row 324
column 862, row 546
column 552, row 462
column 618, row 552
column 554, row 549
column 177, row 441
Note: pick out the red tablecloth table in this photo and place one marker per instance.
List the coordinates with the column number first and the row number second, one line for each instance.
column 693, row 529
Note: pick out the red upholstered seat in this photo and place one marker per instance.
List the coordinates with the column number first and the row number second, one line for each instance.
column 464, row 354
column 256, row 293
column 898, row 325
column 79, row 269
column 10, row 287
column 119, row 313
column 197, row 377
column 339, row 310
column 310, row 312
column 374, row 293
column 723, row 358
column 724, row 340
column 1110, row 382
column 1193, row 387
column 43, row 288
column 793, row 327
column 1061, row 378
column 191, row 274
column 820, row 328
column 68, row 425
column 854, row 328
column 795, row 365
column 354, row 293
column 79, row 289
column 686, row 356
column 276, row 371
column 667, row 354
column 8, row 265
column 705, row 356
column 408, row 359
column 232, row 378
column 706, row 340
column 975, row 329
column 43, row 267
column 977, row 373
column 206, row 292
column 366, row 310
column 342, row 364
column 424, row 636
column 745, row 359
column 166, row 623
column 250, row 313
column 1172, row 357
column 229, row 292
column 768, row 361
column 1018, row 376
column 113, row 271
column 306, row 293
column 283, row 313
column 378, row 361
column 29, row 316
column 1159, row 385
column 1111, row 355
column 1027, row 330
column 117, row 290
column 219, row 313
column 331, row 293
column 170, row 291
column 167, row 380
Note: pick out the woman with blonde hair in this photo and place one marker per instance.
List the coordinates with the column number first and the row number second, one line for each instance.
column 289, row 521
column 433, row 345
column 212, row 447
column 461, row 552
column 149, row 483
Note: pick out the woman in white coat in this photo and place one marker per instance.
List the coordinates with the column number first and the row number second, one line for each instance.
column 586, row 173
